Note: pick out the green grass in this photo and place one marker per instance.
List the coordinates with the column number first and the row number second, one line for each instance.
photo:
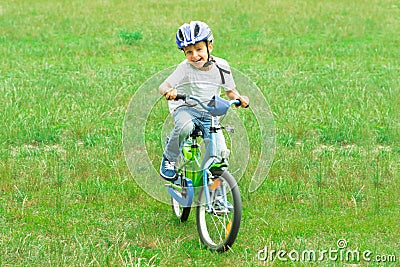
column 330, row 71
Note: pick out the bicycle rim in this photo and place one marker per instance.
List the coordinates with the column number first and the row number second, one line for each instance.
column 218, row 229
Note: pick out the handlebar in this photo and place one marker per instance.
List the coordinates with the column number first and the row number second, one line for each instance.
column 184, row 97
column 217, row 106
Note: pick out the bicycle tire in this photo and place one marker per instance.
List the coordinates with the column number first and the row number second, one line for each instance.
column 179, row 211
column 208, row 224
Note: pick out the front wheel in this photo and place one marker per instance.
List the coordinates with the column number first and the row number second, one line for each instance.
column 218, row 223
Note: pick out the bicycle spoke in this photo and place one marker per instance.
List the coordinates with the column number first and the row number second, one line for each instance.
column 216, row 224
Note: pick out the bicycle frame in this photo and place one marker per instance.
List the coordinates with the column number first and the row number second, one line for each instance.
column 208, row 164
column 186, row 197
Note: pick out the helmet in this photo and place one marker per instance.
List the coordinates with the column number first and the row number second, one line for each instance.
column 189, row 34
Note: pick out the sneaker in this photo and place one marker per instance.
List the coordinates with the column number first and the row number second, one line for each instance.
column 167, row 169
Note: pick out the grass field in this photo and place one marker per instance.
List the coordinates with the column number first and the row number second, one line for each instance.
column 329, row 70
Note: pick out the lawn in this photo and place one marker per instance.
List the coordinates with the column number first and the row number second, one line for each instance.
column 329, row 71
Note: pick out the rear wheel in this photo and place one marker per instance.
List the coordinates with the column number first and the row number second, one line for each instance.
column 219, row 226
column 179, row 211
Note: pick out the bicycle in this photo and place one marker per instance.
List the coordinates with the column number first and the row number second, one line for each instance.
column 219, row 205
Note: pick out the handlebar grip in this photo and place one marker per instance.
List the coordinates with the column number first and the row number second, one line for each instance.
column 239, row 103
column 181, row 97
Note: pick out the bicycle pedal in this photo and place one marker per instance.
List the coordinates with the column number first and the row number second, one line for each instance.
column 220, row 213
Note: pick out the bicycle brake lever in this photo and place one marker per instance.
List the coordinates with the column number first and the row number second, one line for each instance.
column 181, row 97
column 229, row 129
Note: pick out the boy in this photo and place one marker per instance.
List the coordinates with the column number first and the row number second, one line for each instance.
column 203, row 75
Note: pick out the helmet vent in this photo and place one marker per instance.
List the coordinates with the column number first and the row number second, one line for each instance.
column 196, row 30
column 180, row 35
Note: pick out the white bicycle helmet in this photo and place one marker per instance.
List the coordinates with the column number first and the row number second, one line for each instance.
column 189, row 34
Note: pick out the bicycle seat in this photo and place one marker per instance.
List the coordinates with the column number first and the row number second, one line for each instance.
column 197, row 132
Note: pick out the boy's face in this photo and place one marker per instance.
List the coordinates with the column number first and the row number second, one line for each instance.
column 197, row 54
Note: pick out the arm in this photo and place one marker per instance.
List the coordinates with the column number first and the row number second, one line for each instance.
column 233, row 94
column 167, row 88
column 168, row 91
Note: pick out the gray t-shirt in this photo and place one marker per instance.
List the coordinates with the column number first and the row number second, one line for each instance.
column 187, row 79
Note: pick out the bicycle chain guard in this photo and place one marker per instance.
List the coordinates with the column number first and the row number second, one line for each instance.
column 186, row 199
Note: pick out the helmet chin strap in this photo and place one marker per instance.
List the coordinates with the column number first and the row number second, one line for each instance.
column 211, row 61
column 207, row 64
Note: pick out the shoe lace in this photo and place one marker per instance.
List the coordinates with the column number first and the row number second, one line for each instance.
column 170, row 165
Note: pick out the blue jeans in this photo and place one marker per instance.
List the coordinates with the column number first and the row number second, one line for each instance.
column 185, row 119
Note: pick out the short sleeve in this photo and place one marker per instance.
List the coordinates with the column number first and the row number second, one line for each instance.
column 178, row 75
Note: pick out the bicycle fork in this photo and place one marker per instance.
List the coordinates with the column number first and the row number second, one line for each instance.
column 213, row 156
column 207, row 190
